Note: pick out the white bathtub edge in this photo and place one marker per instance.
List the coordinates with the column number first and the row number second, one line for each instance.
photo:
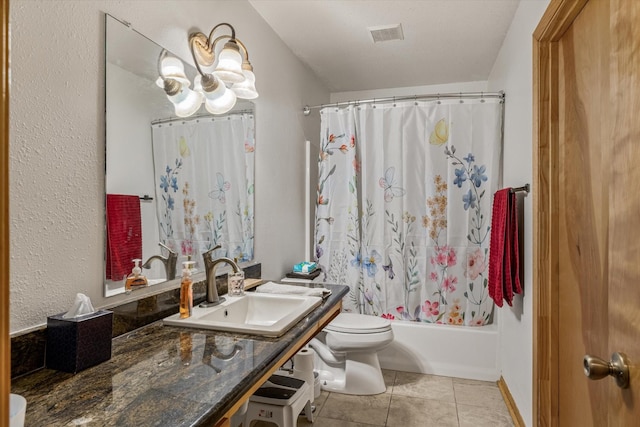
column 454, row 351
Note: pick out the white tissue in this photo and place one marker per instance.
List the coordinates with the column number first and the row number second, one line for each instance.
column 81, row 306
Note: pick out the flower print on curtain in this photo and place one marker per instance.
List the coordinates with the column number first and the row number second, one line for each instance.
column 205, row 174
column 403, row 210
column 337, row 229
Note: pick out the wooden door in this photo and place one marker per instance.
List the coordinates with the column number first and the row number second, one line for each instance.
column 587, row 225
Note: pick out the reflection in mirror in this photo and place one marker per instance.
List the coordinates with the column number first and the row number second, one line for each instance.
column 175, row 187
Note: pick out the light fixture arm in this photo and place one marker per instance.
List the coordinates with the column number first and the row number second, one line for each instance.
column 202, row 51
column 195, row 44
column 217, row 39
column 213, row 30
column 171, row 86
column 203, row 48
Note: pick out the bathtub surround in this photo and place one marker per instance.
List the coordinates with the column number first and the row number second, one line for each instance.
column 469, row 352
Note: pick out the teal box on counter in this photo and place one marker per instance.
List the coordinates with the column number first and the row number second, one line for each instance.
column 76, row 344
column 305, row 267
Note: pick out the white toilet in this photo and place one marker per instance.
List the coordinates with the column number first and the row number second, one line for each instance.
column 347, row 354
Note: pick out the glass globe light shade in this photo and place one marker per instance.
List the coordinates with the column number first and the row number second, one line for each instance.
column 229, row 68
column 186, row 102
column 221, row 104
column 212, row 95
column 247, row 88
column 172, row 68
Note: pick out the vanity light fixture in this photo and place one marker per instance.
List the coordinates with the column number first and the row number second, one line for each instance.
column 176, row 85
column 218, row 84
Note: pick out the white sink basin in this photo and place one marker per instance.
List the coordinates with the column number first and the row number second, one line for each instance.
column 269, row 315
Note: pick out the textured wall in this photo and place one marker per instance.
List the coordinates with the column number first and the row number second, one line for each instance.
column 512, row 72
column 57, row 141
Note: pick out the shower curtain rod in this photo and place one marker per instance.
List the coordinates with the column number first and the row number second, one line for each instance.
column 433, row 96
column 199, row 116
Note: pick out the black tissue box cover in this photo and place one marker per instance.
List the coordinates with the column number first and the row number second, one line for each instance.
column 78, row 343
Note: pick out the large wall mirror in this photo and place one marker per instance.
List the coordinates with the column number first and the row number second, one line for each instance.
column 175, row 188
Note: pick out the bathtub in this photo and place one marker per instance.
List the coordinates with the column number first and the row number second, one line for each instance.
column 456, row 351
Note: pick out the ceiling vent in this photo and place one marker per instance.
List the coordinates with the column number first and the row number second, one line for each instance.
column 385, row 33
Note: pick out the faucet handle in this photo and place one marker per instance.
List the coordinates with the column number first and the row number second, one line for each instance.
column 167, row 248
column 208, row 253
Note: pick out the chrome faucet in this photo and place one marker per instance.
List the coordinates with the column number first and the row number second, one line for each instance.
column 169, row 262
column 210, row 266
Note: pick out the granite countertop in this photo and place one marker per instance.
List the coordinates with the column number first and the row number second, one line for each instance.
column 162, row 376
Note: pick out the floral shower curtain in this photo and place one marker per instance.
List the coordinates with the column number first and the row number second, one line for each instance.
column 204, row 169
column 403, row 212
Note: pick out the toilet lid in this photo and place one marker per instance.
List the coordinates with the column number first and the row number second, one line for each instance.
column 358, row 324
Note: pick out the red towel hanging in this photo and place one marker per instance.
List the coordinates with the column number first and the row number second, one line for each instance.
column 124, row 235
column 496, row 246
column 504, row 257
column 511, row 282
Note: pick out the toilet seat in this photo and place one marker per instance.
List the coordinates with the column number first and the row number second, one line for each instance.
column 351, row 323
column 358, row 332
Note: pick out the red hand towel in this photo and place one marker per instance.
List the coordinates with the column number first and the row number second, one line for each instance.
column 504, row 257
column 497, row 245
column 124, row 235
column 511, row 277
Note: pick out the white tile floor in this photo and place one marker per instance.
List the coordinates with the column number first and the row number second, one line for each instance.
column 414, row 400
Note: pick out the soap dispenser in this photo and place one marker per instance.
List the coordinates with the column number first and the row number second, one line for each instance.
column 136, row 279
column 186, row 291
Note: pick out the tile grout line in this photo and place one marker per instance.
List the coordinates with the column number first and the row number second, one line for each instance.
column 455, row 399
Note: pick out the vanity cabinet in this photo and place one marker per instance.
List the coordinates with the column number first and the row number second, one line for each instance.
column 167, row 375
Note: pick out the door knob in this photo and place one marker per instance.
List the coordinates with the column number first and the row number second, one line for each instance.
column 596, row 368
